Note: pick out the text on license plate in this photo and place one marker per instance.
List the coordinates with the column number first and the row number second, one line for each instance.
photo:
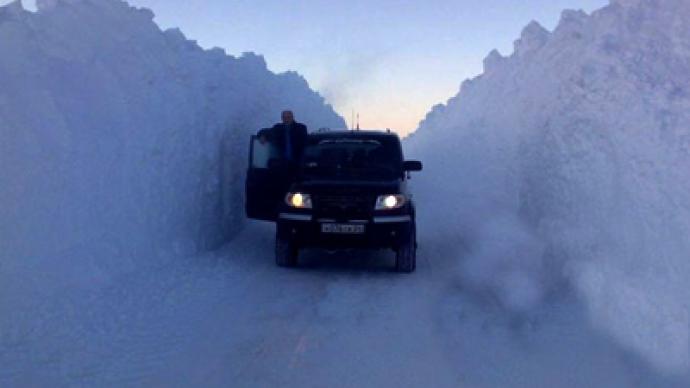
column 342, row 228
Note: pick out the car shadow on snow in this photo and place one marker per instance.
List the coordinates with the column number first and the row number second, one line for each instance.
column 348, row 260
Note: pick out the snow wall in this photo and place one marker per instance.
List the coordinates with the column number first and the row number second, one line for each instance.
column 565, row 167
column 121, row 144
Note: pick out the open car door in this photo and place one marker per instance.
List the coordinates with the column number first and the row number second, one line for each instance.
column 266, row 183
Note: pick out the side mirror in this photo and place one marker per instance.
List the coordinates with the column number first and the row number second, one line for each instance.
column 412, row 165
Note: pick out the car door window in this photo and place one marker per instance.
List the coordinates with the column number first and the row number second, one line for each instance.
column 263, row 153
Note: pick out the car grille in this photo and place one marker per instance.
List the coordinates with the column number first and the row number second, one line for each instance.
column 343, row 207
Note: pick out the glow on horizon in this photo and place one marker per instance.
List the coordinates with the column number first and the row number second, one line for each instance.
column 390, row 61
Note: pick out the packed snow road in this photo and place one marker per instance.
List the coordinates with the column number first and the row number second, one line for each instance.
column 232, row 318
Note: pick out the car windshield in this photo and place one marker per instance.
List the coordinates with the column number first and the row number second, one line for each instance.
column 352, row 158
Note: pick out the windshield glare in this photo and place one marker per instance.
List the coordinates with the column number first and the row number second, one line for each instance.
column 352, row 158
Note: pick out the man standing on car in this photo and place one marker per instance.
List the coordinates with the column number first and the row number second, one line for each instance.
column 288, row 136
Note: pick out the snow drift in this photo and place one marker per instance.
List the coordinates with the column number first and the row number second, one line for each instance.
column 120, row 142
column 568, row 163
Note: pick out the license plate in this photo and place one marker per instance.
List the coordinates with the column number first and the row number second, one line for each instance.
column 342, row 228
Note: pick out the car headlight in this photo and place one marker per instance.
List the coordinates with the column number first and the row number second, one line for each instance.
column 298, row 200
column 390, row 202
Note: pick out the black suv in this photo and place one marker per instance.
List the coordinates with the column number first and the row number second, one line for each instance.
column 348, row 191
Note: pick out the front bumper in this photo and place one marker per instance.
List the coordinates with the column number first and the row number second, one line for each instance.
column 381, row 231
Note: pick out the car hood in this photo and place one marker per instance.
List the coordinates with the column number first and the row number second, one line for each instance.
column 332, row 187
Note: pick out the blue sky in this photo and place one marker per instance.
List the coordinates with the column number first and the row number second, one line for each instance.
column 389, row 60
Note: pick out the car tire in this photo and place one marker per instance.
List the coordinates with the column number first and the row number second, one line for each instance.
column 286, row 250
column 406, row 254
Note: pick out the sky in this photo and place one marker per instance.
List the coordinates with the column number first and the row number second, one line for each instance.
column 388, row 60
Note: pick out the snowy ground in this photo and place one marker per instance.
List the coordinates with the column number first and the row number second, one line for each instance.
column 232, row 318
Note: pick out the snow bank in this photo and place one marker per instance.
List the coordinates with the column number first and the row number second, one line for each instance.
column 568, row 162
column 120, row 143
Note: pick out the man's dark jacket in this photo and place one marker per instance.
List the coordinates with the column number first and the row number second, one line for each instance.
column 298, row 138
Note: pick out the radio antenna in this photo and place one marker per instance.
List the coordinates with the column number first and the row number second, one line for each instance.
column 358, row 121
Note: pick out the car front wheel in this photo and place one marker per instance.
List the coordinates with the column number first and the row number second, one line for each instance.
column 406, row 254
column 286, row 250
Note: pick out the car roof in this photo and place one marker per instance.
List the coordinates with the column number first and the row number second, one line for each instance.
column 353, row 134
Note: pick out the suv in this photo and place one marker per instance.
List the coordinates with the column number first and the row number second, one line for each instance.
column 348, row 191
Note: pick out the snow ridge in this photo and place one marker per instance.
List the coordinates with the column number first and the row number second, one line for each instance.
column 120, row 143
column 572, row 157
